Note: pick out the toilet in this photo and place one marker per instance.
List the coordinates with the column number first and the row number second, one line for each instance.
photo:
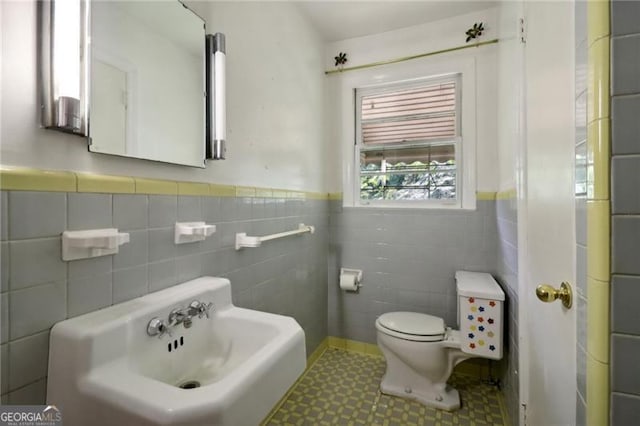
column 421, row 351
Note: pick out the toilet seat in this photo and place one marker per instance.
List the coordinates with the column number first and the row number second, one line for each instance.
column 412, row 326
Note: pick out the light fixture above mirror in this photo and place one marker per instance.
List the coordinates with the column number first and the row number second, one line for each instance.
column 216, row 90
column 64, row 64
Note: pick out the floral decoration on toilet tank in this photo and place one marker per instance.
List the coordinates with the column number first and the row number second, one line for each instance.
column 480, row 324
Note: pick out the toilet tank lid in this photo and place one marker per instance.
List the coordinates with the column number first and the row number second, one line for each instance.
column 478, row 284
column 413, row 323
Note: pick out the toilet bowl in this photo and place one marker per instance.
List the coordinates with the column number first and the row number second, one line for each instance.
column 421, row 352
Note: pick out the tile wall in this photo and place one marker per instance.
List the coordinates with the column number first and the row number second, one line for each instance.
column 598, row 225
column 581, row 46
column 507, row 275
column 38, row 289
column 409, row 258
column 625, row 206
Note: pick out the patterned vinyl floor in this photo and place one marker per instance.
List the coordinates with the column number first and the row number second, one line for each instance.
column 341, row 388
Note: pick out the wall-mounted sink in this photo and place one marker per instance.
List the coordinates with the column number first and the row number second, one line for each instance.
column 229, row 369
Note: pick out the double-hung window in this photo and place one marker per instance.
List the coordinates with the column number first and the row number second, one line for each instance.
column 408, row 143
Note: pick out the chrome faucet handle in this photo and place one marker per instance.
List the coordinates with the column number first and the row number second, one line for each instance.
column 204, row 309
column 158, row 327
column 200, row 308
column 195, row 308
column 178, row 316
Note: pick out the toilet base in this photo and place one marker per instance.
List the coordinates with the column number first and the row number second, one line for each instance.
column 447, row 398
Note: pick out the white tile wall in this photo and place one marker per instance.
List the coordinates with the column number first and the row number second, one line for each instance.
column 163, row 211
column 507, row 274
column 625, row 101
column 189, row 209
column 409, row 258
column 135, row 252
column 130, row 283
column 28, row 358
column 4, row 356
column 4, row 266
column 130, row 211
column 163, row 274
column 37, row 214
column 36, row 308
column 24, row 254
column 4, row 321
column 89, row 211
column 89, row 293
column 34, row 393
column 39, row 289
column 4, row 215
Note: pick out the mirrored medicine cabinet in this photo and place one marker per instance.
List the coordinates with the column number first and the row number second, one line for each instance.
column 132, row 76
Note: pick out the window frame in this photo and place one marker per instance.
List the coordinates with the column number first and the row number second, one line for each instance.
column 408, row 73
column 456, row 140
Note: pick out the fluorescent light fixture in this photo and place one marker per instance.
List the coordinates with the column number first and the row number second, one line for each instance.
column 64, row 57
column 216, row 97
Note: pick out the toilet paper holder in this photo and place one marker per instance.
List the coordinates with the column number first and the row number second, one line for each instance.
column 357, row 273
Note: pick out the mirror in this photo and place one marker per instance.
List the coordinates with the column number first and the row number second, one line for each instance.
column 147, row 94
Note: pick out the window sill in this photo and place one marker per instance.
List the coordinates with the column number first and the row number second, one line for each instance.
column 411, row 206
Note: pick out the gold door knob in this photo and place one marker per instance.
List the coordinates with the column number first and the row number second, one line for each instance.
column 547, row 293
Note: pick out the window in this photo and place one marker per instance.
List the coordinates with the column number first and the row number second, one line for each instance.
column 415, row 144
column 408, row 142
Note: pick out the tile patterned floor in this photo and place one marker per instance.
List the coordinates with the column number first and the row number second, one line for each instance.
column 341, row 388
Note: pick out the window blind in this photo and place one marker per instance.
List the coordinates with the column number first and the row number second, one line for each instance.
column 409, row 115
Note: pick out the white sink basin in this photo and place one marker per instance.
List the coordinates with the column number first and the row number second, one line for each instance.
column 105, row 370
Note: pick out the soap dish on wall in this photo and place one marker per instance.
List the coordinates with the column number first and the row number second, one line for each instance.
column 191, row 232
column 92, row 243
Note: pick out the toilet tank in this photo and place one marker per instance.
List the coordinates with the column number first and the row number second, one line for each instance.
column 480, row 314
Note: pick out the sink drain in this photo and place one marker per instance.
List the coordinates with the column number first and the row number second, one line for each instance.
column 191, row 384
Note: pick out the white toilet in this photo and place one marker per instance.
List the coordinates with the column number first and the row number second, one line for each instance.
column 421, row 352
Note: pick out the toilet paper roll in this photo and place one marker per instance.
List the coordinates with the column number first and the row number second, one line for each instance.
column 348, row 282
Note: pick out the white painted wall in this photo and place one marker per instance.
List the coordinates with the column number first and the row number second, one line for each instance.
column 275, row 102
column 415, row 40
column 275, row 92
column 510, row 76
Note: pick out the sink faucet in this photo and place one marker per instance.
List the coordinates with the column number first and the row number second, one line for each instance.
column 199, row 308
column 184, row 316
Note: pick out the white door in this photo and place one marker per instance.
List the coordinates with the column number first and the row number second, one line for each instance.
column 546, row 215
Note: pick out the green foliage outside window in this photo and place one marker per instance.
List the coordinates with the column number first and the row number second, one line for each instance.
column 414, row 181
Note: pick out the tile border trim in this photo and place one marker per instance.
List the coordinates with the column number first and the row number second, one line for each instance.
column 598, row 212
column 21, row 179
column 507, row 194
column 25, row 179
column 353, row 346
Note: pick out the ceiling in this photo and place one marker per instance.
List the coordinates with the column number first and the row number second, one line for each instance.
column 339, row 20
